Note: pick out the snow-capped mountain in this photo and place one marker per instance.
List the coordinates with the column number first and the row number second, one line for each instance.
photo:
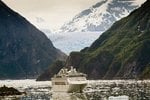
column 100, row 16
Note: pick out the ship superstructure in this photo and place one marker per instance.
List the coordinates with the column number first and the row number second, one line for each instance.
column 69, row 81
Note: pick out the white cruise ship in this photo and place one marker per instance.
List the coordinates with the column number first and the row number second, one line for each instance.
column 68, row 81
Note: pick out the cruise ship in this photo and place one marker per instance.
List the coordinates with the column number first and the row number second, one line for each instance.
column 68, row 81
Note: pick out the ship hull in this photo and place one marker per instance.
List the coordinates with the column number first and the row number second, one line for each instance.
column 69, row 88
column 60, row 88
column 76, row 88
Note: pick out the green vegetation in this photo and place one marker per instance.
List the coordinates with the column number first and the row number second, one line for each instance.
column 123, row 51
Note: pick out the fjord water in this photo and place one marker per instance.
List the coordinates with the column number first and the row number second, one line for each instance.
column 95, row 90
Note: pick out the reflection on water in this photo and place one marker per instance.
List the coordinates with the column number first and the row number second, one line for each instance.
column 68, row 96
column 95, row 90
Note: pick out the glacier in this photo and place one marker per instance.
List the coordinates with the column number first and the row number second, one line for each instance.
column 73, row 41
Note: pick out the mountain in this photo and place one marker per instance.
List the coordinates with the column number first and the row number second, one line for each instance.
column 68, row 40
column 122, row 52
column 25, row 51
column 100, row 16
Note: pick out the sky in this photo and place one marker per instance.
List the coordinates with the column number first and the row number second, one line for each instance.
column 49, row 13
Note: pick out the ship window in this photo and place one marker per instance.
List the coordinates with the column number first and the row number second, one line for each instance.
column 58, row 76
column 60, row 83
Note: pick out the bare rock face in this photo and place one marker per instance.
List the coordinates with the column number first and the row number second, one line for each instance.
column 24, row 50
